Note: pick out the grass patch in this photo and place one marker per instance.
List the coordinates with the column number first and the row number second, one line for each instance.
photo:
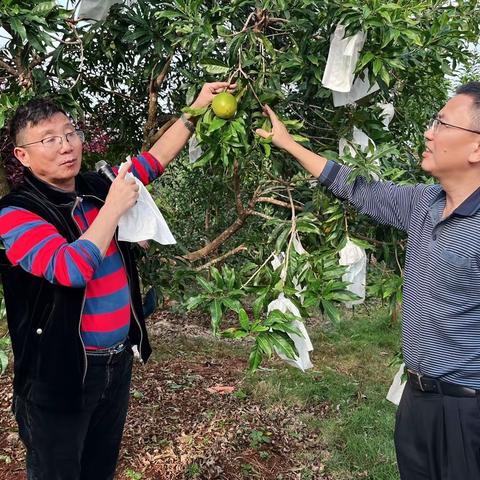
column 352, row 376
column 341, row 401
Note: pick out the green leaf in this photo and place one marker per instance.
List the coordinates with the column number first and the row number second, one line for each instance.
column 377, row 65
column 234, row 333
column 228, row 276
column 331, row 311
column 365, row 59
column 216, row 124
column 194, row 302
column 44, row 8
column 283, row 343
column 243, row 319
column 259, row 303
column 3, row 361
column 216, row 315
column 287, row 328
column 300, row 138
column 195, row 112
column 208, row 286
column 263, row 342
column 215, row 67
column 233, row 305
column 281, row 240
column 385, row 76
column 216, row 277
column 19, row 28
column 170, row 14
column 255, row 359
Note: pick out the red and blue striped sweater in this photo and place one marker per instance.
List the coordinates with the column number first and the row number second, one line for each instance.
column 38, row 248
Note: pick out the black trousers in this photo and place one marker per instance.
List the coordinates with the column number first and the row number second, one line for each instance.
column 79, row 445
column 437, row 437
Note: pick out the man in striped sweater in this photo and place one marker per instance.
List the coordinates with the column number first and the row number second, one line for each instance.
column 72, row 291
column 437, row 434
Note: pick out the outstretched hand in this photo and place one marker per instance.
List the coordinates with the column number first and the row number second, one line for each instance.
column 279, row 134
column 209, row 90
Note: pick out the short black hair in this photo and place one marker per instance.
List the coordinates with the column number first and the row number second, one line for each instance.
column 472, row 89
column 31, row 114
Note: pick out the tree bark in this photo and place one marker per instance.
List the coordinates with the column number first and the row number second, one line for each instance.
column 155, row 84
column 214, row 244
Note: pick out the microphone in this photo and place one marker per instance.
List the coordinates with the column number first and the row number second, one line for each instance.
column 104, row 169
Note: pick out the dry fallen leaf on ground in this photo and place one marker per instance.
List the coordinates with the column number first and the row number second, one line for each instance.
column 221, row 389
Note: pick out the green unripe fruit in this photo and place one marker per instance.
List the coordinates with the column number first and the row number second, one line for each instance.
column 224, row 105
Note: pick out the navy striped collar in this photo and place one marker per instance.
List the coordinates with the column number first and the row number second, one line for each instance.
column 467, row 208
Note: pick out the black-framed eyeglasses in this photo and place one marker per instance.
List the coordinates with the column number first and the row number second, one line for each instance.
column 436, row 122
column 56, row 141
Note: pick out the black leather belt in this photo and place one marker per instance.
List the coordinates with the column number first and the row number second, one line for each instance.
column 433, row 385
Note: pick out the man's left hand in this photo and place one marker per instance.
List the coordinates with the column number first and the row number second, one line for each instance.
column 209, row 90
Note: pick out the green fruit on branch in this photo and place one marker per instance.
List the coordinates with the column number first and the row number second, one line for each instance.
column 224, row 105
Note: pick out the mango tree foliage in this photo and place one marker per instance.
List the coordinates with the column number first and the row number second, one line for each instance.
column 243, row 203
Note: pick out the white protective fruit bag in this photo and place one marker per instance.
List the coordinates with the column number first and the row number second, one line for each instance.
column 387, row 113
column 363, row 141
column 361, row 88
column 395, row 391
column 302, row 342
column 355, row 259
column 97, row 9
column 194, row 149
column 342, row 60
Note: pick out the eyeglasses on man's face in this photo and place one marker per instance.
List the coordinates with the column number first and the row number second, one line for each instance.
column 436, row 123
column 55, row 142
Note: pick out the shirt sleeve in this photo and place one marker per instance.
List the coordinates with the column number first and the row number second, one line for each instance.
column 145, row 167
column 386, row 202
column 35, row 245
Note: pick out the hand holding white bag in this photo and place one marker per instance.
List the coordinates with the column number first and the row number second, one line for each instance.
column 144, row 221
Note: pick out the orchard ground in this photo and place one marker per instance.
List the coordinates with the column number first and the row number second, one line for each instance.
column 196, row 414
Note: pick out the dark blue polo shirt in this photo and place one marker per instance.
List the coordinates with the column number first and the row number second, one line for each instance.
column 441, row 294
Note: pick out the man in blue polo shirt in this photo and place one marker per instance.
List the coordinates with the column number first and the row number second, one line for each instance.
column 437, row 433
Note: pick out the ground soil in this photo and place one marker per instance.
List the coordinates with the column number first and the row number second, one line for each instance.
column 183, row 423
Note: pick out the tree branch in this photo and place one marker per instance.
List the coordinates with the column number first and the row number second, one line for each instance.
column 234, row 251
column 260, row 214
column 9, row 68
column 214, row 244
column 277, row 202
column 162, row 130
column 236, row 188
column 155, row 84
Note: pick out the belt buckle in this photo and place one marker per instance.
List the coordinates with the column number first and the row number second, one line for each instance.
column 118, row 348
column 418, row 377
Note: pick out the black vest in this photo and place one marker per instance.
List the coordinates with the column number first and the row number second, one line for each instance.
column 44, row 319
